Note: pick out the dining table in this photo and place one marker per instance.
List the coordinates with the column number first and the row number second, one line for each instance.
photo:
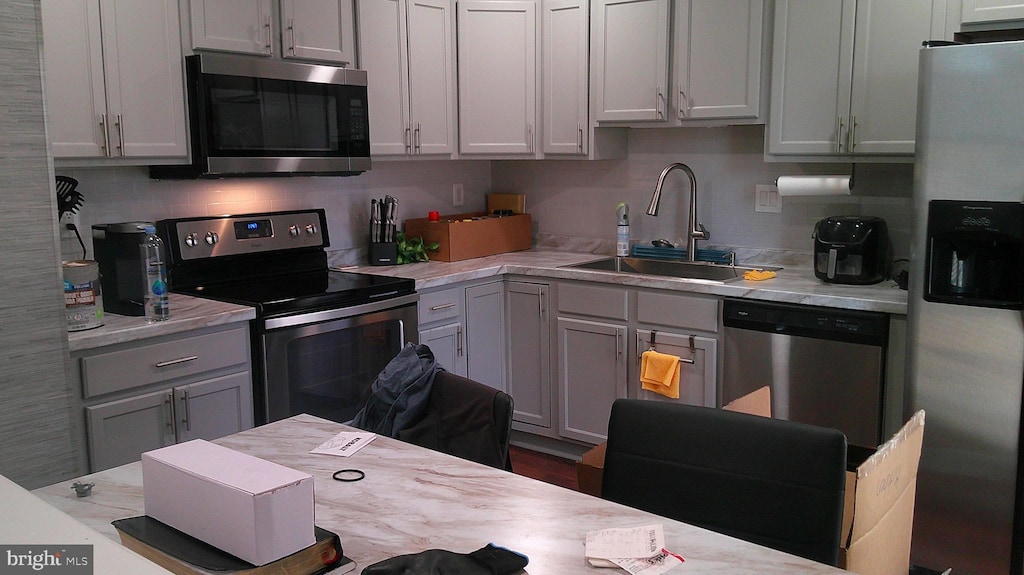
column 411, row 499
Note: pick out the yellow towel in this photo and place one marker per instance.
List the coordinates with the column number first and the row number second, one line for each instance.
column 659, row 372
column 758, row 275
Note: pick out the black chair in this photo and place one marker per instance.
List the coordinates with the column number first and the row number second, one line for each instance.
column 466, row 419
column 772, row 482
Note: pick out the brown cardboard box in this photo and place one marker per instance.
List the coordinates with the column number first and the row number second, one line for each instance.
column 461, row 237
column 878, row 515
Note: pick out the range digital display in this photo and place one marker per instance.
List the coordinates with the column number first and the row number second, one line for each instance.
column 253, row 229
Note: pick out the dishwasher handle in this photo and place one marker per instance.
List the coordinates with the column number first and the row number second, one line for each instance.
column 851, row 326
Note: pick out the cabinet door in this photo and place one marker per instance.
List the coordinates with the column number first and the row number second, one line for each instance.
column 382, row 51
column 811, row 63
column 446, row 342
column 232, row 25
column 319, row 30
column 76, row 99
column 529, row 344
column 497, row 46
column 883, row 111
column 630, row 45
column 591, row 376
column 718, row 58
column 145, row 86
column 431, row 66
column 213, row 408
column 565, row 71
column 697, row 383
column 485, row 334
column 119, row 431
column 975, row 11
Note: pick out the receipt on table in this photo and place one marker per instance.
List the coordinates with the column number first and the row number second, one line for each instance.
column 634, row 542
column 345, row 443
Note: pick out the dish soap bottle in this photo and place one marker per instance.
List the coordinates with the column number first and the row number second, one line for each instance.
column 155, row 276
column 622, row 235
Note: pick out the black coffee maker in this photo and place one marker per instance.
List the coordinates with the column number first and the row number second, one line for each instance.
column 852, row 250
column 116, row 247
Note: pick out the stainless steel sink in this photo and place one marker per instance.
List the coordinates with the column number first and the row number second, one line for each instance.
column 698, row 271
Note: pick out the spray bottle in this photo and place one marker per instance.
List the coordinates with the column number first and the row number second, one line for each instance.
column 622, row 235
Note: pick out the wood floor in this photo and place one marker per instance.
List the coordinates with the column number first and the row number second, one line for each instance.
column 547, row 468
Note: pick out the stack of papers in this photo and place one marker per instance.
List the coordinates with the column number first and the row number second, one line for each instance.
column 635, row 549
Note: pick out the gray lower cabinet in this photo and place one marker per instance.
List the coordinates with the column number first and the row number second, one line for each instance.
column 464, row 325
column 155, row 392
column 591, row 376
column 529, row 353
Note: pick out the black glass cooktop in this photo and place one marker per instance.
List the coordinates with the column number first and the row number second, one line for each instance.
column 303, row 292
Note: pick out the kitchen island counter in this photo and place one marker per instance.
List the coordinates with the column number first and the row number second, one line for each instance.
column 792, row 284
column 187, row 313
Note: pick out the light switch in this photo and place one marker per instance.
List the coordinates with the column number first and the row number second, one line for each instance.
column 766, row 199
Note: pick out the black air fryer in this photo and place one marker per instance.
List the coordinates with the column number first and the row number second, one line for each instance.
column 851, row 250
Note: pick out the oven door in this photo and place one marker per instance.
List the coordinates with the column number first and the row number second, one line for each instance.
column 323, row 363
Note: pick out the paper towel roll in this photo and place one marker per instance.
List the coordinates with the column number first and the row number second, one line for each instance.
column 813, row 185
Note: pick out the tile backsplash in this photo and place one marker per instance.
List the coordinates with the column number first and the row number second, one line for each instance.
column 572, row 201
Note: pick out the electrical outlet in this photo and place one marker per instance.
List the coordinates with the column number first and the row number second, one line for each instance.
column 766, row 199
column 458, row 197
column 70, row 218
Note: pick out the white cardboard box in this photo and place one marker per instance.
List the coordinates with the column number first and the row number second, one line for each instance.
column 256, row 510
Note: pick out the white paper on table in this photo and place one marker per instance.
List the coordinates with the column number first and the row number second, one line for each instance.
column 345, row 443
column 656, row 565
column 639, row 542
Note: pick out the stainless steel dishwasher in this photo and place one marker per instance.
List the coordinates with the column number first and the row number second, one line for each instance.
column 825, row 366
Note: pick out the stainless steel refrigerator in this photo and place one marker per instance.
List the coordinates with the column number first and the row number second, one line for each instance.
column 966, row 340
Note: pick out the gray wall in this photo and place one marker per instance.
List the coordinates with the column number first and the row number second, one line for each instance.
column 35, row 429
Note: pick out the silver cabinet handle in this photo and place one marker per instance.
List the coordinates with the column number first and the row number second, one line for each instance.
column 408, row 140
column 442, row 306
column 851, row 135
column 416, row 139
column 579, row 137
column 458, row 341
column 291, row 34
column 529, row 137
column 270, row 36
column 120, row 134
column 169, row 402
column 177, row 361
column 401, row 331
column 839, row 134
column 659, row 98
column 187, row 419
column 106, row 135
column 684, row 104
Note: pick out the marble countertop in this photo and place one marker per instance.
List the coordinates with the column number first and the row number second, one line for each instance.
column 792, row 284
column 187, row 313
column 28, row 520
column 414, row 499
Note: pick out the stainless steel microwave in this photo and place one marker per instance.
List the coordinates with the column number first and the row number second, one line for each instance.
column 253, row 117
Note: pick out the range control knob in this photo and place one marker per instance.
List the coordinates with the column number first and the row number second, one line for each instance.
column 212, row 238
column 192, row 240
column 293, row 231
column 310, row 229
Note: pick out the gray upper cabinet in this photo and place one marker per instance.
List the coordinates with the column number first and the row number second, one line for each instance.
column 629, row 45
column 114, row 86
column 565, row 76
column 408, row 50
column 321, row 30
column 844, row 76
column 983, row 11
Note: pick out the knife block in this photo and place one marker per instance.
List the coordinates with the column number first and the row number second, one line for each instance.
column 383, row 253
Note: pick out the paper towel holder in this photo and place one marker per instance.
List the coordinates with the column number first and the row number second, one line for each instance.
column 827, row 188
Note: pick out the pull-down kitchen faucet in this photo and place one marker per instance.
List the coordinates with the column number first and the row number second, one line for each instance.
column 694, row 230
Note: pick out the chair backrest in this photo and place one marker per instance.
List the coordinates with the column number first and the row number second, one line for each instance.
column 467, row 419
column 773, row 482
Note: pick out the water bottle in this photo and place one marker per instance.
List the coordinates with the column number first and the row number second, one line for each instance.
column 152, row 248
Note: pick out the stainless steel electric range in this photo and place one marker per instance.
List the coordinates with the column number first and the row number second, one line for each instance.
column 320, row 336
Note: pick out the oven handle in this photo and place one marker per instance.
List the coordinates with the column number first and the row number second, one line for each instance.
column 350, row 311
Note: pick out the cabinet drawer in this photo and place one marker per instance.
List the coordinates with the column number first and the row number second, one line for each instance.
column 677, row 311
column 144, row 364
column 592, row 300
column 440, row 305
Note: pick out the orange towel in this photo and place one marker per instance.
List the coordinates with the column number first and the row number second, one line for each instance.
column 659, row 372
column 758, row 275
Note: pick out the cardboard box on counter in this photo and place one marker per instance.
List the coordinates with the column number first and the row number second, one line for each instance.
column 254, row 509
column 472, row 235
